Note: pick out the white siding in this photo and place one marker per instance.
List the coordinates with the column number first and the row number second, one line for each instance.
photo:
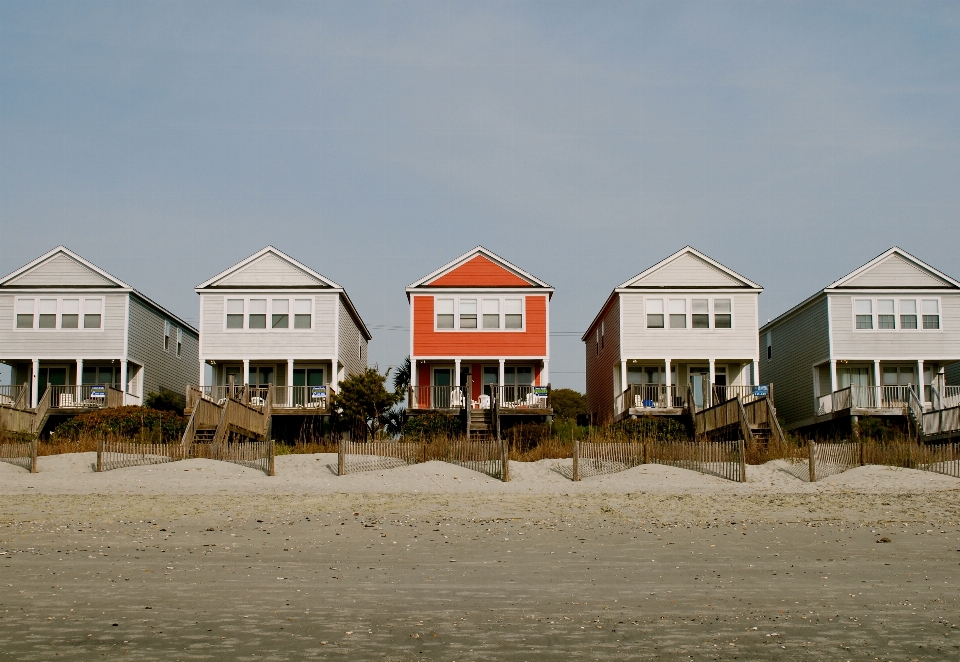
column 895, row 271
column 161, row 368
column 353, row 345
column 315, row 343
column 61, row 270
column 738, row 343
column 688, row 271
column 269, row 271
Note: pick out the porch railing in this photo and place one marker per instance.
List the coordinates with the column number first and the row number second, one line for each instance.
column 299, row 397
column 746, row 393
column 523, row 397
column 864, row 397
column 12, row 395
column 436, row 397
column 948, row 398
column 652, row 397
column 216, row 394
column 941, row 421
column 88, row 396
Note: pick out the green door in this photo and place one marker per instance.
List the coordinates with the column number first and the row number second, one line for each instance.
column 51, row 377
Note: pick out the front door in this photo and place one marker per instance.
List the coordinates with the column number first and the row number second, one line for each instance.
column 442, row 381
column 51, row 376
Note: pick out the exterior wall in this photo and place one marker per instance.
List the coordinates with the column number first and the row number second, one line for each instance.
column 454, row 343
column 600, row 367
column 639, row 342
column 479, row 272
column 161, row 368
column 799, row 342
column 66, row 344
column 687, row 271
column 218, row 343
column 953, row 374
column 354, row 354
column 895, row 270
column 59, row 271
column 269, row 270
column 849, row 343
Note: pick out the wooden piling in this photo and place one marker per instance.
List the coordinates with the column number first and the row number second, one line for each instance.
column 576, row 460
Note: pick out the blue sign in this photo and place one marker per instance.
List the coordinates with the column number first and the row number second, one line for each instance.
column 761, row 391
column 318, row 392
column 98, row 391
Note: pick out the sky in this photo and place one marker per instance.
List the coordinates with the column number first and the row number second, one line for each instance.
column 583, row 141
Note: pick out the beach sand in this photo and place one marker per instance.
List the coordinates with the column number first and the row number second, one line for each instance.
column 206, row 560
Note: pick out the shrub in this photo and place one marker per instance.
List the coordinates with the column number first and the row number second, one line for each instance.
column 165, row 400
column 124, row 421
column 431, row 426
column 652, row 427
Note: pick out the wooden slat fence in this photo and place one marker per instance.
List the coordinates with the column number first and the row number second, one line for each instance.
column 354, row 457
column 113, row 454
column 596, row 458
column 724, row 459
column 829, row 459
column 22, row 453
column 943, row 458
column 488, row 457
column 245, row 452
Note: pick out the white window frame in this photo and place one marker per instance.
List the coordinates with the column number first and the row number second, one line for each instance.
column 479, row 297
column 291, row 300
column 179, row 342
column 666, row 328
column 59, row 298
column 166, row 335
column 897, row 298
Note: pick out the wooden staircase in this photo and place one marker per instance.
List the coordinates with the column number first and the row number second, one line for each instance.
column 479, row 424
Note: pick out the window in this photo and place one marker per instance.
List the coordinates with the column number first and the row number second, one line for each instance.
column 70, row 314
column 908, row 313
column 863, row 309
column 491, row 313
column 654, row 313
column 931, row 314
column 886, row 315
column 302, row 314
column 513, row 313
column 25, row 313
column 258, row 314
column 48, row 314
column 769, row 344
column 234, row 313
column 678, row 313
column 179, row 341
column 722, row 314
column 92, row 313
column 468, row 313
column 281, row 314
column 445, row 316
column 166, row 335
column 603, row 334
column 596, row 342
column 700, row 309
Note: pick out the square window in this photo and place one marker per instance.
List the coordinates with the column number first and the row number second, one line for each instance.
column 678, row 313
column 491, row 313
column 931, row 314
column 863, row 308
column 281, row 314
column 234, row 313
column 654, row 313
column 700, row 309
column 70, row 314
column 908, row 313
column 25, row 313
column 513, row 313
column 48, row 314
column 468, row 313
column 258, row 314
column 302, row 314
column 445, row 316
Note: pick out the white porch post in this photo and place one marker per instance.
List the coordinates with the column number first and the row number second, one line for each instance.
column 246, row 372
column 623, row 378
column 876, row 382
column 501, row 376
column 713, row 378
column 920, row 395
column 79, row 372
column 666, row 374
column 123, row 379
column 288, row 399
column 833, row 375
column 456, row 372
column 756, row 373
column 203, row 374
column 545, row 373
column 34, row 383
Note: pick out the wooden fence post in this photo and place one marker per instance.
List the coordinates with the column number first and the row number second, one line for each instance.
column 270, row 456
column 341, row 456
column 646, row 452
column 576, row 460
column 861, row 452
column 33, row 458
column 812, row 461
column 743, row 462
column 505, row 474
column 99, row 455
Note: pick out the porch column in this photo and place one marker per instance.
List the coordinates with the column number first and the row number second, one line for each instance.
column 876, row 382
column 545, row 373
column 246, row 372
column 34, row 383
column 290, row 373
column 756, row 373
column 666, row 373
column 501, row 376
column 713, row 378
column 833, row 375
column 123, row 378
column 412, row 397
column 623, row 378
column 456, row 372
column 203, row 374
column 79, row 372
column 920, row 395
column 288, row 398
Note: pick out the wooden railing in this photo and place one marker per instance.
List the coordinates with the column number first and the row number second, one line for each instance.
column 87, row 396
column 216, row 394
column 746, row 393
column 864, row 397
column 436, row 397
column 205, row 416
column 950, row 397
column 941, row 421
column 15, row 419
column 41, row 413
column 301, row 397
column 11, row 395
column 523, row 397
column 652, row 397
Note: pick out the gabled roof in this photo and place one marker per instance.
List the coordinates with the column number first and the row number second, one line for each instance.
column 896, row 269
column 688, row 268
column 283, row 266
column 480, row 268
column 64, row 261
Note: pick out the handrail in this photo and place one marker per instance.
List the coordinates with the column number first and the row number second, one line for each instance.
column 654, row 396
column 10, row 394
column 298, row 397
column 775, row 428
column 41, row 413
column 915, row 408
column 746, row 392
column 526, row 396
column 950, row 397
column 435, row 397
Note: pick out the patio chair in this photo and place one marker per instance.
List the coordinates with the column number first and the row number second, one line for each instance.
column 484, row 401
column 65, row 400
column 456, row 398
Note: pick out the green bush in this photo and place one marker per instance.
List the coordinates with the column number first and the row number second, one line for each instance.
column 652, row 427
column 431, row 426
column 124, row 421
column 165, row 400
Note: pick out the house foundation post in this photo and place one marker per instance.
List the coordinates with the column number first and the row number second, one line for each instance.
column 34, row 383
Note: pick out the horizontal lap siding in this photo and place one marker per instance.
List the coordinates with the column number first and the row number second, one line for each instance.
column 799, row 342
column 317, row 342
column 639, row 342
column 480, row 272
column 876, row 344
column 67, row 344
column 530, row 342
column 162, row 369
column 353, row 346
column 600, row 392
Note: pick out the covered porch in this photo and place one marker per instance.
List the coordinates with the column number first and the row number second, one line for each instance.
column 514, row 386
column 80, row 383
column 292, row 387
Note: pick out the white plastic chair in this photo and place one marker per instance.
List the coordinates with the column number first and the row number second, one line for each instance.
column 66, row 400
column 484, row 401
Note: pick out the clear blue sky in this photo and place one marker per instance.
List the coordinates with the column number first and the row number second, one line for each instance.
column 375, row 141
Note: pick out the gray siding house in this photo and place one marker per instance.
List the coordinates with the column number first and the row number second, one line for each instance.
column 677, row 336
column 69, row 325
column 279, row 328
column 864, row 343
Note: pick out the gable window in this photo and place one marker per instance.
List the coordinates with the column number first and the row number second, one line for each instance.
column 722, row 314
column 281, row 314
column 931, row 314
column 678, row 313
column 92, row 313
column 234, row 313
column 445, row 316
column 908, row 313
column 700, row 317
column 302, row 314
column 25, row 313
column 513, row 313
column 70, row 314
column 48, row 314
column 863, row 309
column 179, row 341
column 258, row 314
column 166, row 335
column 468, row 313
column 654, row 313
column 491, row 313
column 886, row 314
